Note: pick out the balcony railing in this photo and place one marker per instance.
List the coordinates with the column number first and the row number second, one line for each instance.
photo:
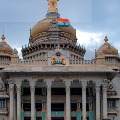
column 45, row 62
column 57, row 113
column 112, row 110
column 84, row 62
column 74, row 113
column 3, row 111
column 53, row 113
column 33, row 62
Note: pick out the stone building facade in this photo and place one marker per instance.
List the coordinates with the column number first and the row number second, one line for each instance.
column 53, row 81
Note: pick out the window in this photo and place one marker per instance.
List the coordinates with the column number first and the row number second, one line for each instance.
column 2, row 103
column 76, row 91
column 58, row 91
column 40, row 91
column 26, row 91
column 111, row 103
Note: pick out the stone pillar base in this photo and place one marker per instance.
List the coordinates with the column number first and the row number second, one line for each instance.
column 33, row 118
column 106, row 119
column 97, row 118
column 68, row 119
column 48, row 118
column 84, row 119
column 18, row 118
column 11, row 119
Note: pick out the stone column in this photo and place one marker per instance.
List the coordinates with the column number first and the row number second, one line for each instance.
column 11, row 89
column 43, row 111
column 18, row 101
column 68, row 103
column 90, row 106
column 90, row 110
column 97, row 102
column 78, row 106
column 84, row 84
column 48, row 83
column 32, row 88
column 78, row 111
column 104, row 101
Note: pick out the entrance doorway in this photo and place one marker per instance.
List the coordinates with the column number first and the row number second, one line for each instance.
column 57, row 118
column 38, row 118
column 27, row 118
column 57, row 107
column 73, row 118
column 87, row 118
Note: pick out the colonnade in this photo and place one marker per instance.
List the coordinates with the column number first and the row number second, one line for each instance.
column 68, row 104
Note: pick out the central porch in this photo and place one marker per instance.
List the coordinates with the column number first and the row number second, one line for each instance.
column 56, row 115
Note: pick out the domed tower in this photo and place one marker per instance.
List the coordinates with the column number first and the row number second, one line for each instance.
column 46, row 36
column 107, row 54
column 7, row 54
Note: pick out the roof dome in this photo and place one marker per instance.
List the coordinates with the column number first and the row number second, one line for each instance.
column 107, row 49
column 43, row 26
column 4, row 47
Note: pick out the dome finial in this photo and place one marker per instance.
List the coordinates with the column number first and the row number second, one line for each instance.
column 3, row 37
column 52, row 6
column 30, row 32
column 106, row 39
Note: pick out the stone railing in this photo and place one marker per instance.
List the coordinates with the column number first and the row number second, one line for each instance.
column 45, row 62
column 33, row 62
column 90, row 62
column 54, row 113
column 57, row 113
column 27, row 114
column 112, row 110
column 3, row 110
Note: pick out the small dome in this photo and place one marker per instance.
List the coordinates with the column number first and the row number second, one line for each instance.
column 107, row 49
column 43, row 26
column 4, row 47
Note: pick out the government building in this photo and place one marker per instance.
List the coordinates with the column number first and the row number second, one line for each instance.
column 53, row 81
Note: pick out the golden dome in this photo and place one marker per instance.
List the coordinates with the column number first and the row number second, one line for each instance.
column 43, row 26
column 4, row 47
column 106, row 48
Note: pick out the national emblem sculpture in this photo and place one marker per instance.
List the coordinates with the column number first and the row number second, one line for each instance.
column 52, row 6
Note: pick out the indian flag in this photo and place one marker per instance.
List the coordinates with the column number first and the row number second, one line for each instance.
column 63, row 22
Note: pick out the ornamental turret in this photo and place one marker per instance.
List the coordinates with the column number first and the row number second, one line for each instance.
column 7, row 54
column 107, row 54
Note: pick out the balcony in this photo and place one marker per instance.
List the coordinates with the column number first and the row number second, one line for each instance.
column 57, row 113
column 27, row 114
column 112, row 110
column 53, row 114
column 3, row 111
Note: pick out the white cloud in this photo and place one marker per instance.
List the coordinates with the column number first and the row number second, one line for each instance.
column 19, row 51
column 87, row 38
column 91, row 41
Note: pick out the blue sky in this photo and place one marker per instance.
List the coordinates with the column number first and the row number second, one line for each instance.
column 92, row 19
